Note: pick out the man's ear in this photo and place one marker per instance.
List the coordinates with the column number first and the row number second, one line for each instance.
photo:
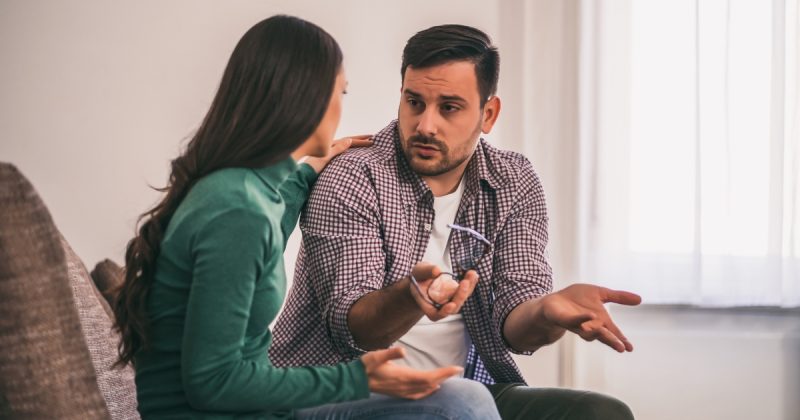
column 491, row 110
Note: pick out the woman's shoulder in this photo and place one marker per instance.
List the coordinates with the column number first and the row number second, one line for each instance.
column 230, row 190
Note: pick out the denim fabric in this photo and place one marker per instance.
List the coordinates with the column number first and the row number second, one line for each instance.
column 458, row 398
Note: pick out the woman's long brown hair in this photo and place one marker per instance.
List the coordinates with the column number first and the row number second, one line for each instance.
column 273, row 95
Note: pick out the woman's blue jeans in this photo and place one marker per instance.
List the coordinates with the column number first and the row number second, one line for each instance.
column 458, row 398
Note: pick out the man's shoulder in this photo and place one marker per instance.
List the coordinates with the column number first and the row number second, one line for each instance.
column 362, row 158
column 508, row 167
column 361, row 161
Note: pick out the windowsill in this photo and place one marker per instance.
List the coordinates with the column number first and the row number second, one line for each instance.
column 720, row 309
column 755, row 320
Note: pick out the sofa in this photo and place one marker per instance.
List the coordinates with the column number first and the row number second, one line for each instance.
column 57, row 345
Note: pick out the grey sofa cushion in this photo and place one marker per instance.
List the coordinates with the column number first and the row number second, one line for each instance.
column 116, row 384
column 45, row 366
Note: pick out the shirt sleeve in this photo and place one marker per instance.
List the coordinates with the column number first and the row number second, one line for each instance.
column 520, row 268
column 230, row 252
column 344, row 253
column 294, row 191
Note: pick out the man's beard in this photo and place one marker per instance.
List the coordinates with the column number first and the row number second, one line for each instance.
column 424, row 167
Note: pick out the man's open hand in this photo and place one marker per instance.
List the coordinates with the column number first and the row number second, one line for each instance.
column 579, row 308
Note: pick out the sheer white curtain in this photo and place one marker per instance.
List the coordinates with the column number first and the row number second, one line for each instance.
column 690, row 163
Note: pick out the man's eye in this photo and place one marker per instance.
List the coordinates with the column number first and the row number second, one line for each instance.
column 413, row 102
column 449, row 108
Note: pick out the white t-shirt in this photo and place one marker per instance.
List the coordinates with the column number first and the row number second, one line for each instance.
column 446, row 342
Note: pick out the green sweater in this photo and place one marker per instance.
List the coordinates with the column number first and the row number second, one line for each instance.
column 219, row 282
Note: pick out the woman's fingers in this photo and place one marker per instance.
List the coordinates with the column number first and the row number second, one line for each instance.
column 340, row 145
column 423, row 380
column 405, row 382
column 440, row 374
column 352, row 141
column 372, row 360
column 361, row 140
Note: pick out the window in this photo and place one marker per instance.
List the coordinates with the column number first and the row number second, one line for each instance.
column 693, row 181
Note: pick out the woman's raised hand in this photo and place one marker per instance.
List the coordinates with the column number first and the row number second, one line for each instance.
column 395, row 380
column 337, row 147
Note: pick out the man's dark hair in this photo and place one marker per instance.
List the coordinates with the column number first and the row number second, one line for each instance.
column 448, row 43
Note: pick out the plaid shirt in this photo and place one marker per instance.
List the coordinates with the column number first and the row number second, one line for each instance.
column 368, row 221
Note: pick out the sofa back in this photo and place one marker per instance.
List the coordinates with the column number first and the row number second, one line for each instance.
column 45, row 366
column 56, row 335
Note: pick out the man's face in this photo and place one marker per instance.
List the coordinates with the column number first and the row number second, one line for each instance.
column 440, row 117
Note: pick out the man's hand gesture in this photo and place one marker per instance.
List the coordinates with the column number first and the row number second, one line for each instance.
column 579, row 308
column 435, row 291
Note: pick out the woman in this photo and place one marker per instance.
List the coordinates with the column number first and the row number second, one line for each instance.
column 204, row 276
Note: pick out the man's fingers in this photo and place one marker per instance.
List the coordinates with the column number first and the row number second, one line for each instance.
column 431, row 312
column 618, row 333
column 465, row 288
column 577, row 321
column 424, row 270
column 608, row 338
column 596, row 330
column 622, row 297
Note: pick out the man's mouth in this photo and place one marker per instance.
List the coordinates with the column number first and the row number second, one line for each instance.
column 425, row 150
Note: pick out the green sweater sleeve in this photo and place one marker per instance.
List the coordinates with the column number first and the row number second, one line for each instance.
column 230, row 253
column 294, row 192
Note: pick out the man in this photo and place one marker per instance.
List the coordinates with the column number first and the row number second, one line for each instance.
column 375, row 213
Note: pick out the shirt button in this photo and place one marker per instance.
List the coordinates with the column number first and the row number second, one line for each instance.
column 427, row 227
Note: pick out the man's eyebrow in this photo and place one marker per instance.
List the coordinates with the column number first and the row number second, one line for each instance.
column 454, row 98
column 410, row 92
column 442, row 98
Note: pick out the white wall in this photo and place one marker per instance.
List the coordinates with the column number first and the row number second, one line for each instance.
column 96, row 96
column 700, row 364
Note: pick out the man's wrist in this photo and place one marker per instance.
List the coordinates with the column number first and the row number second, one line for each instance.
column 527, row 328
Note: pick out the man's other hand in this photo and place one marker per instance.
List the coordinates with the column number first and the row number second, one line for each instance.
column 580, row 308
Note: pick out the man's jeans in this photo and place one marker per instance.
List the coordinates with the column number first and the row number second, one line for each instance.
column 457, row 399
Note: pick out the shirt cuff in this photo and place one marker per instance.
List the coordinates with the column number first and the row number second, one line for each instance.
column 360, row 380
column 341, row 337
column 508, row 305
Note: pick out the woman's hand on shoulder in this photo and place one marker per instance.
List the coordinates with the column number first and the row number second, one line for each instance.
column 395, row 380
column 337, row 147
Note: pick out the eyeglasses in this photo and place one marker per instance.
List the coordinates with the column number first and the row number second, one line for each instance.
column 446, row 283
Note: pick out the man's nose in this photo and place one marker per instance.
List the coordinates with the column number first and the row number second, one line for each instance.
column 428, row 122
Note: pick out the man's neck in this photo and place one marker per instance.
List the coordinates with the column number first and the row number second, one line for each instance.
column 447, row 182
